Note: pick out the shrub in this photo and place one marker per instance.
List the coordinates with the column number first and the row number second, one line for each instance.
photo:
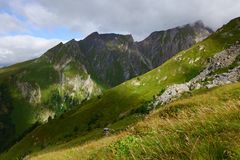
column 124, row 146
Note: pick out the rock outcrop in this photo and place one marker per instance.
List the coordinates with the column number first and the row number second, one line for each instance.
column 209, row 77
column 220, row 60
column 83, row 88
column 31, row 92
column 172, row 92
column 224, row 78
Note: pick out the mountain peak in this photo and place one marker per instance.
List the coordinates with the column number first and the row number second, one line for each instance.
column 92, row 36
column 199, row 23
column 113, row 36
column 55, row 48
column 109, row 36
column 71, row 41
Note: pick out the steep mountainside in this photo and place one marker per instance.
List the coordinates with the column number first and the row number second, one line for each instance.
column 202, row 66
column 69, row 74
column 162, row 45
column 118, row 58
column 36, row 91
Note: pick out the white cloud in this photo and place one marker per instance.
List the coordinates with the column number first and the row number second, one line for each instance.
column 139, row 17
column 23, row 47
column 10, row 23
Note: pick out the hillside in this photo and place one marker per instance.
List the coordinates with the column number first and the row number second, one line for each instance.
column 69, row 74
column 116, row 110
column 205, row 125
column 33, row 91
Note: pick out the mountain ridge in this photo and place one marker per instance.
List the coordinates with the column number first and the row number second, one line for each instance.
column 148, row 53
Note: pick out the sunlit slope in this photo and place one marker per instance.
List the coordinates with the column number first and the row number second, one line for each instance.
column 20, row 114
column 32, row 91
column 203, row 126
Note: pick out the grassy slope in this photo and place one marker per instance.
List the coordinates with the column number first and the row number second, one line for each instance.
column 24, row 115
column 122, row 99
column 203, row 126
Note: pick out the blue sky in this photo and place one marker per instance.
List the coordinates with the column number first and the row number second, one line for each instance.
column 58, row 32
column 30, row 27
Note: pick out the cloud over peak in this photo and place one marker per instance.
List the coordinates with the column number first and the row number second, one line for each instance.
column 139, row 17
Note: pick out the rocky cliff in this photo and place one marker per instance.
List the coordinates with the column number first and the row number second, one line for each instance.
column 162, row 45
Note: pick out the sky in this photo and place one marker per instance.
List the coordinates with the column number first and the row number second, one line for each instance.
column 28, row 28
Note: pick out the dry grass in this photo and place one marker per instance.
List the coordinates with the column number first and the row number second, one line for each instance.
column 78, row 152
column 205, row 126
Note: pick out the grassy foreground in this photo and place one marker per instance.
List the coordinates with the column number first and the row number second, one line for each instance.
column 203, row 126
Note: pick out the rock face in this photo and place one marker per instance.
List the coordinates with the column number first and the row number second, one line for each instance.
column 220, row 60
column 112, row 58
column 171, row 92
column 162, row 45
column 224, row 78
column 31, row 92
column 223, row 68
column 84, row 88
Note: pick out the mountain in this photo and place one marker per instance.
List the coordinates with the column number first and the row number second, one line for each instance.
column 69, row 74
column 162, row 45
column 118, row 58
column 210, row 63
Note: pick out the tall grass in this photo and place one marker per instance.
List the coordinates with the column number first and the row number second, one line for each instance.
column 205, row 126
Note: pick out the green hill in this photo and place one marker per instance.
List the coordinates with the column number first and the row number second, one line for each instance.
column 203, row 126
column 36, row 93
column 120, row 106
